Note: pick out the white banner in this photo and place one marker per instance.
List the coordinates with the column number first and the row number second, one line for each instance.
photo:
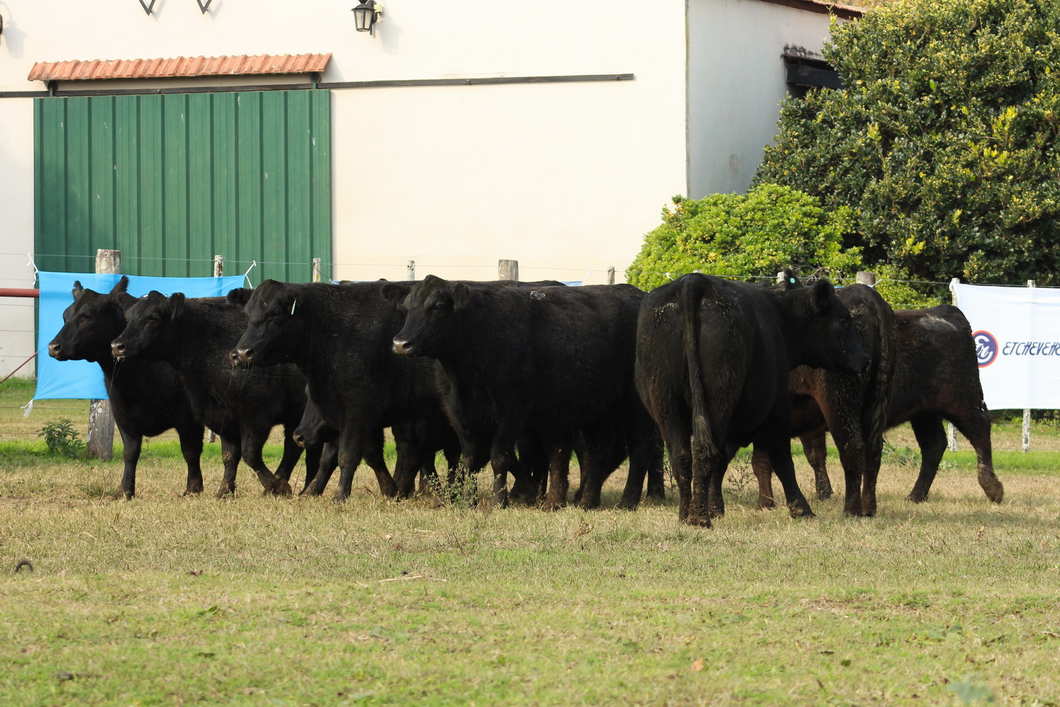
column 1017, row 339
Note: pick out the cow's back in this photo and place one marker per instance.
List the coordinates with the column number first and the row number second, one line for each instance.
column 936, row 360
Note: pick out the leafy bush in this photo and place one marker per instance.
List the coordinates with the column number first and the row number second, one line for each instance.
column 944, row 142
column 746, row 236
column 62, row 438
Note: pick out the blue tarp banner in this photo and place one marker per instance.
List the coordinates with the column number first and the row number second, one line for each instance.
column 82, row 380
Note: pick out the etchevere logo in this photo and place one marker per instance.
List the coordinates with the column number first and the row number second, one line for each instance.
column 986, row 348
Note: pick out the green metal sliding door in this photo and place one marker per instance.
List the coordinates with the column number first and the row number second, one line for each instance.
column 171, row 180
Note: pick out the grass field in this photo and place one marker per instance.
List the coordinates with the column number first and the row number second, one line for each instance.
column 166, row 600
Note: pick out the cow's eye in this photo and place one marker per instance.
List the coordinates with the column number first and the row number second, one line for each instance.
column 438, row 306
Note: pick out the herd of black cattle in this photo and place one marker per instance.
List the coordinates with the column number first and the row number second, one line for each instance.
column 523, row 375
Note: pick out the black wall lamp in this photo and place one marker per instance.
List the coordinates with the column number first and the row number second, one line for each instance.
column 366, row 15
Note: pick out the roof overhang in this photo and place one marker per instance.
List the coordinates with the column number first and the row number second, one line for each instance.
column 847, row 12
column 179, row 67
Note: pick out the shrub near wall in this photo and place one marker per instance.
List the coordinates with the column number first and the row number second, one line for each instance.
column 742, row 236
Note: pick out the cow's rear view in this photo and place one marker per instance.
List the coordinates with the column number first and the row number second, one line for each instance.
column 713, row 358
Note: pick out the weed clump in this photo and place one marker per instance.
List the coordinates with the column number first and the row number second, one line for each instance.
column 62, row 439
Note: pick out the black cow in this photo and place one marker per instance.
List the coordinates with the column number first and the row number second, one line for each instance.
column 339, row 336
column 546, row 362
column 854, row 407
column 936, row 379
column 146, row 397
column 713, row 360
column 241, row 406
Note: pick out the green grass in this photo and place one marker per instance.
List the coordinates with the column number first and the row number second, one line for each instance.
column 166, row 600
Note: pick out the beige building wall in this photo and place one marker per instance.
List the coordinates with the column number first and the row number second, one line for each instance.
column 736, row 81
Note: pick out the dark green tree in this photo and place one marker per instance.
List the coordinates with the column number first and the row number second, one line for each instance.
column 944, row 141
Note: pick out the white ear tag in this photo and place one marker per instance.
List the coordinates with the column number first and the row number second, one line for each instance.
column 293, row 305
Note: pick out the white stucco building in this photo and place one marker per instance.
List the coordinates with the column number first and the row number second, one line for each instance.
column 459, row 135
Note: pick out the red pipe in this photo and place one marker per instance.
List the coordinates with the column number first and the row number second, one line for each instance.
column 18, row 292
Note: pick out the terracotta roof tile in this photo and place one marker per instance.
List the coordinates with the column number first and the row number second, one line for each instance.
column 241, row 65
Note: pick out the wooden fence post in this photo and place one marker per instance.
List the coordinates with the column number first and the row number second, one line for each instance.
column 865, row 278
column 99, row 443
column 316, row 270
column 410, row 272
column 508, row 270
column 218, row 266
column 611, row 275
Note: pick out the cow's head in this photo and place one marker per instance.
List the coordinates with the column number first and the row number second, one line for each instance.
column 89, row 324
column 150, row 327
column 274, row 319
column 432, row 312
column 829, row 339
column 312, row 429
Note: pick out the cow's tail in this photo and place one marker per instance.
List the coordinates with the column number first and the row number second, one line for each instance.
column 689, row 298
column 887, row 333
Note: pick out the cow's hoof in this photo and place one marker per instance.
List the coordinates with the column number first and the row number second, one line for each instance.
column 992, row 488
column 767, row 504
column 280, row 487
column 699, row 521
column 339, row 497
column 225, row 491
column 193, row 491
column 800, row 511
column 824, row 493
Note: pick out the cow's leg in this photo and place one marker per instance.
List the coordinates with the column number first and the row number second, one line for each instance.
column 764, row 473
column 645, row 458
column 873, row 458
column 677, row 438
column 559, row 475
column 599, row 441
column 329, row 460
column 931, row 436
column 253, row 441
column 231, row 451
column 409, row 445
column 132, row 443
column 976, row 427
column 815, row 448
column 191, row 449
column 717, row 466
column 373, row 456
column 313, row 455
column 699, row 510
column 778, row 447
column 656, row 470
column 851, row 445
column 292, row 452
column 535, row 458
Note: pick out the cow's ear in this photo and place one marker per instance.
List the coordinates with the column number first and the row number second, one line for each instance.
column 78, row 290
column 461, row 295
column 394, row 293
column 823, row 292
column 176, row 301
column 121, row 287
column 239, row 296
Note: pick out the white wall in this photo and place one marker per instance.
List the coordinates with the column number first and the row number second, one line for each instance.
column 736, row 81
